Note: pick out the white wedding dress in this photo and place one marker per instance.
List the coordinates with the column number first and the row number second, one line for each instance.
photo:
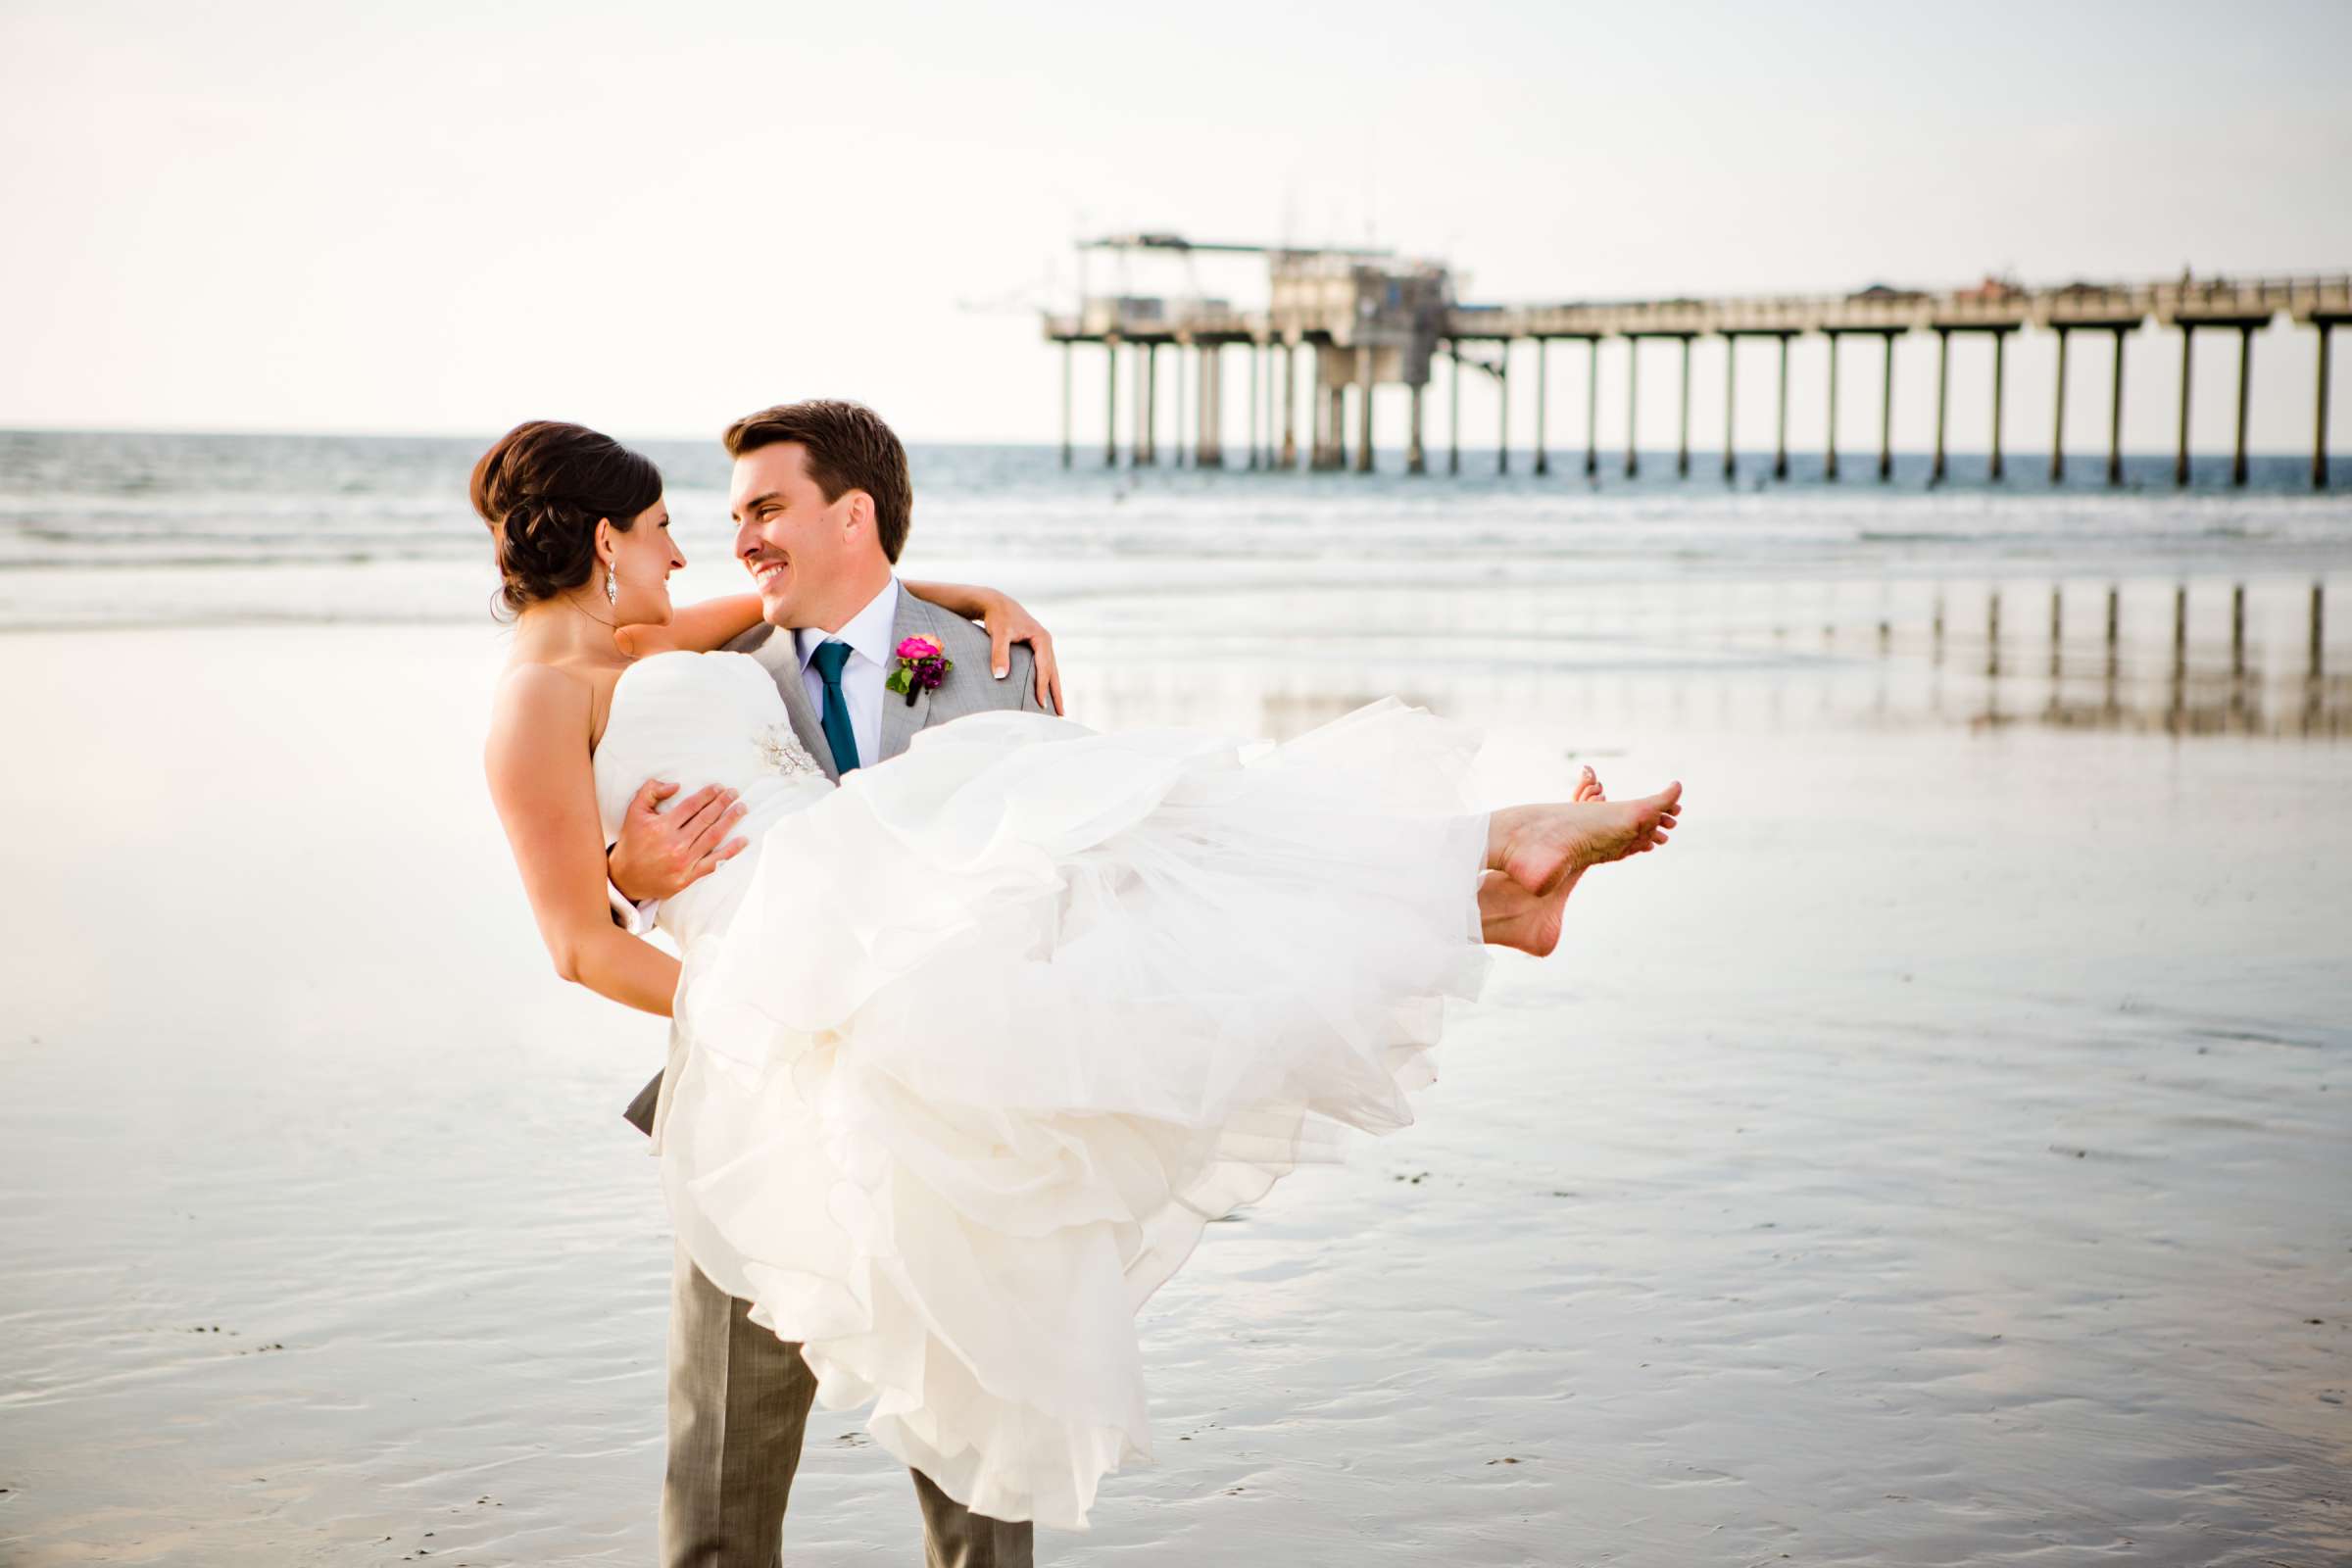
column 968, row 1049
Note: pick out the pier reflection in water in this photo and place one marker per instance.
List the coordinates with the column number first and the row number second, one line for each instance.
column 2188, row 657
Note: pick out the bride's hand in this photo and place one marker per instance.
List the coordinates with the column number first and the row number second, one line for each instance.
column 1009, row 624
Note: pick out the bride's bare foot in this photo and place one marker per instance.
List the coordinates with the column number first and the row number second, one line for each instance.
column 1539, row 847
column 1510, row 916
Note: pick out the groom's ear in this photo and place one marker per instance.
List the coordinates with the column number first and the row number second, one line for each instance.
column 861, row 509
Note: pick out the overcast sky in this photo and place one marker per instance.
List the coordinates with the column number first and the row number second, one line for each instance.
column 423, row 219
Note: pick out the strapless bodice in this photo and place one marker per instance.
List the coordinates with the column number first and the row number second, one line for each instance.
column 704, row 718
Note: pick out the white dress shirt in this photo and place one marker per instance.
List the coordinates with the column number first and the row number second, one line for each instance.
column 861, row 675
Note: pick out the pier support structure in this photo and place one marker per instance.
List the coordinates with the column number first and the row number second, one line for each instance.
column 1363, row 410
column 2190, row 317
column 1682, row 445
column 1147, row 407
column 2000, row 344
column 1829, row 454
column 1415, row 460
column 1591, row 408
column 1453, row 388
column 1542, row 403
column 1503, row 407
column 1731, row 403
column 2115, row 414
column 2058, row 419
column 1289, row 404
column 1258, row 429
column 1341, row 301
column 1211, row 433
column 2189, row 334
column 1176, row 447
column 1110, row 402
column 1633, row 402
column 1070, row 353
column 2319, row 440
column 1886, row 413
column 2245, row 367
column 1779, row 441
column 1943, row 380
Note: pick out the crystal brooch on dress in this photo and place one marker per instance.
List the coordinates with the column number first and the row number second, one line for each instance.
column 781, row 749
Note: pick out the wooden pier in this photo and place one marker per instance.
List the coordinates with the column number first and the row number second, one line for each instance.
column 1370, row 319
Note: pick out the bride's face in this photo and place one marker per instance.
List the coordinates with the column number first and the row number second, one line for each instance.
column 642, row 560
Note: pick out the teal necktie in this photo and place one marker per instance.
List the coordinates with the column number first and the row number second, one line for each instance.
column 828, row 658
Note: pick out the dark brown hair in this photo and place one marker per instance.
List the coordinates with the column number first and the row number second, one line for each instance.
column 849, row 448
column 541, row 489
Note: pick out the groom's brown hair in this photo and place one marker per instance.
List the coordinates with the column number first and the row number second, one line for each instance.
column 849, row 448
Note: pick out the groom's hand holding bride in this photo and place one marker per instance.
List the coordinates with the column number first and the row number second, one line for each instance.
column 661, row 854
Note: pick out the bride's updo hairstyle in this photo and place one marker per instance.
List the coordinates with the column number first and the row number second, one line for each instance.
column 541, row 489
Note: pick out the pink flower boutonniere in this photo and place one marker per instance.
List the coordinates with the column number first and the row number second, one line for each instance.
column 922, row 666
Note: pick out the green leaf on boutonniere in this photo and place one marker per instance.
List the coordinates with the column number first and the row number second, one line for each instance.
column 898, row 678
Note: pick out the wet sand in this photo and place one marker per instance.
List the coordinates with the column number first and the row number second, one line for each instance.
column 1940, row 1154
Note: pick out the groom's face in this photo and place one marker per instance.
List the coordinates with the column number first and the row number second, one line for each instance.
column 794, row 543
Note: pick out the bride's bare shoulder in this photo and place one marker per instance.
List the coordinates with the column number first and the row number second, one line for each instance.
column 537, row 699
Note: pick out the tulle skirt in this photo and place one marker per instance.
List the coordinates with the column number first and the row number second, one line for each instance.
column 995, row 1028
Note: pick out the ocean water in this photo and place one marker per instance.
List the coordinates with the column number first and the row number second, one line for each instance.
column 1938, row 1155
column 100, row 529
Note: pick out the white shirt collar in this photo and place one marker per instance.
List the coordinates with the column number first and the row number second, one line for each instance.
column 867, row 632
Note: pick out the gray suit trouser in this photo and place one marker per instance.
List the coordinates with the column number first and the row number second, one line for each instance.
column 738, row 1399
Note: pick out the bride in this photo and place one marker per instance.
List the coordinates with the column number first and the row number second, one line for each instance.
column 967, row 1047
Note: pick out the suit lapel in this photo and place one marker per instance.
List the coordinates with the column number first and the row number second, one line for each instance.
column 779, row 654
column 900, row 719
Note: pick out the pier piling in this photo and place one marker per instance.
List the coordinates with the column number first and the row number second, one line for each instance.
column 1730, row 371
column 1177, row 446
column 2237, row 628
column 1363, row 410
column 2115, row 414
column 1682, row 445
column 1591, row 408
column 2058, row 420
column 1633, row 402
column 1543, row 400
column 1829, row 456
column 1258, row 371
column 1289, row 404
column 2319, row 441
column 1415, row 462
column 2188, row 335
column 1943, row 358
column 1999, row 341
column 1111, row 405
column 1147, row 407
column 1779, row 440
column 1454, row 454
column 1887, row 416
column 2115, row 616
column 2245, row 366
column 1502, row 408
column 1211, row 433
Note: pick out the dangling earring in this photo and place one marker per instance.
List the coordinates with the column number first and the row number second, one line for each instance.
column 611, row 585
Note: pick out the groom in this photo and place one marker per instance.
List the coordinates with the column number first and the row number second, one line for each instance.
column 821, row 499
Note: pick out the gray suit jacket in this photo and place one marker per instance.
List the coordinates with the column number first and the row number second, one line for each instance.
column 968, row 689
